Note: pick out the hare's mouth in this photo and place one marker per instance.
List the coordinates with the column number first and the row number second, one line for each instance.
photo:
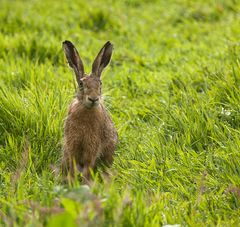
column 89, row 104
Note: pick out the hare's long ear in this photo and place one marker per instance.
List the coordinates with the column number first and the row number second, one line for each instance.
column 73, row 59
column 102, row 59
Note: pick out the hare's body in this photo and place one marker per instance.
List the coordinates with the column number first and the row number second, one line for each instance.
column 89, row 134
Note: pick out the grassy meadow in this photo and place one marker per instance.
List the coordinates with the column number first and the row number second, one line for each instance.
column 172, row 89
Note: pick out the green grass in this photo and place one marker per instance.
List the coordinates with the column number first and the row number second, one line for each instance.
column 172, row 89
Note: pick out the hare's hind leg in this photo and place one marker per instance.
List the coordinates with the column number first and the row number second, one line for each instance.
column 104, row 162
column 86, row 171
column 68, row 169
column 107, row 155
column 70, row 166
column 106, row 159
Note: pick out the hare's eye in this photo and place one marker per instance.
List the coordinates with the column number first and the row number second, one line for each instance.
column 80, row 85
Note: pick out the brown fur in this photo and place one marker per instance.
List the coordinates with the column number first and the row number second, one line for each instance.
column 89, row 134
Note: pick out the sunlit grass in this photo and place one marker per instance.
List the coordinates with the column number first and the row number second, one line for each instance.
column 172, row 89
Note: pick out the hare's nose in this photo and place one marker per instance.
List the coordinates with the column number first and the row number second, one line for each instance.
column 93, row 99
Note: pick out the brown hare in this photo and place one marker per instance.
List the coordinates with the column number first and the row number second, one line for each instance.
column 89, row 133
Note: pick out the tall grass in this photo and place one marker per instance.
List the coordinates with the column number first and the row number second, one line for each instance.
column 172, row 90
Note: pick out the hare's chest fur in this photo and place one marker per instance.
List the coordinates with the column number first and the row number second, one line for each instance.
column 85, row 129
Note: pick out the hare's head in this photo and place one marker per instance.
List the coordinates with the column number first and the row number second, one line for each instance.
column 89, row 85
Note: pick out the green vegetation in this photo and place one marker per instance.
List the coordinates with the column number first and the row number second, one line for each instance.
column 172, row 89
